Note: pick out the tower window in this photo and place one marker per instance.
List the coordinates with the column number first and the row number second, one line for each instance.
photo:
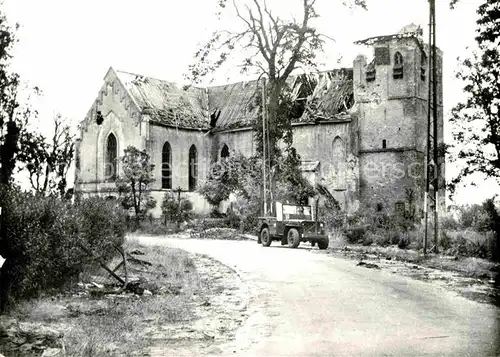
column 397, row 70
column 111, row 155
column 384, row 144
column 166, row 166
column 371, row 72
column 193, row 167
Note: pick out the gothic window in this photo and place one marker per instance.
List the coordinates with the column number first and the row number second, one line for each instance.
column 193, row 167
column 166, row 166
column 397, row 70
column 370, row 72
column 110, row 169
column 224, row 152
column 338, row 152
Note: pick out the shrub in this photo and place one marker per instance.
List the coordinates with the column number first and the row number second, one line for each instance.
column 232, row 219
column 474, row 217
column 449, row 223
column 176, row 209
column 44, row 237
column 369, row 238
column 416, row 238
column 102, row 226
column 445, row 242
column 382, row 239
column 404, row 241
column 394, row 236
column 333, row 218
column 355, row 234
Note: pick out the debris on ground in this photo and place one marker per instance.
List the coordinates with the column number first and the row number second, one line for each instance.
column 368, row 265
column 474, row 278
column 26, row 338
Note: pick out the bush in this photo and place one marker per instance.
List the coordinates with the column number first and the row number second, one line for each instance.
column 445, row 242
column 382, row 239
column 474, row 217
column 355, row 234
column 369, row 239
column 449, row 223
column 176, row 209
column 232, row 219
column 102, row 226
column 394, row 236
column 404, row 241
column 44, row 237
column 415, row 237
column 469, row 243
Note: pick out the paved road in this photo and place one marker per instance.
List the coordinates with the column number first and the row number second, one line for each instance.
column 309, row 304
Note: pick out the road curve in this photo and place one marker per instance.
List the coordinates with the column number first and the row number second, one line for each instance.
column 307, row 304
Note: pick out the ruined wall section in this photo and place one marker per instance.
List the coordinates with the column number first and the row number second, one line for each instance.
column 334, row 145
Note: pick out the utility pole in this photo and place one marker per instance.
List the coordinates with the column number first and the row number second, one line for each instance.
column 264, row 130
column 432, row 157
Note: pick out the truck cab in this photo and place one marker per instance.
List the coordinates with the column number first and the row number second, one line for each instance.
column 291, row 225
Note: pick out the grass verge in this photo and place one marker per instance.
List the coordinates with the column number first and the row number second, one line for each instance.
column 111, row 324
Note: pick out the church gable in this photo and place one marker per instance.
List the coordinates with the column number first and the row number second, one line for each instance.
column 112, row 98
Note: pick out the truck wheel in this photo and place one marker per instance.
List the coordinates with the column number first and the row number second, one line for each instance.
column 293, row 237
column 323, row 244
column 265, row 238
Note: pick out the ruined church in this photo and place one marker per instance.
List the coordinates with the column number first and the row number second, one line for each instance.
column 362, row 133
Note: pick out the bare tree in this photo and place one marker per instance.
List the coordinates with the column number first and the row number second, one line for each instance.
column 275, row 48
column 48, row 161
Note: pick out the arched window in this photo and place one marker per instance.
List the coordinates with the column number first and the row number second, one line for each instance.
column 371, row 73
column 193, row 167
column 338, row 152
column 224, row 152
column 384, row 144
column 397, row 70
column 166, row 166
column 110, row 170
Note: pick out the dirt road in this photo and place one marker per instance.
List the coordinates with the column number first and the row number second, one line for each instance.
column 307, row 304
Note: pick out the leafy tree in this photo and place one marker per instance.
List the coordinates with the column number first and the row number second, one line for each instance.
column 274, row 48
column 229, row 175
column 134, row 185
column 9, row 83
column 477, row 120
column 48, row 163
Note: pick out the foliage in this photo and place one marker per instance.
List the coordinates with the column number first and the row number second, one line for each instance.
column 48, row 163
column 134, row 184
column 176, row 209
column 355, row 234
column 229, row 175
column 473, row 217
column 494, row 226
column 44, row 239
column 476, row 121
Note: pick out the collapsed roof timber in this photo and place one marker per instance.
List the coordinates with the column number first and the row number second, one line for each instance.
column 325, row 96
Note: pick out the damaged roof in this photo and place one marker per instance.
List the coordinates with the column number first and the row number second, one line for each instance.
column 167, row 102
column 323, row 95
column 234, row 104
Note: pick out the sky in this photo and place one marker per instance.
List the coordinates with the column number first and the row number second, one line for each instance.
column 66, row 46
